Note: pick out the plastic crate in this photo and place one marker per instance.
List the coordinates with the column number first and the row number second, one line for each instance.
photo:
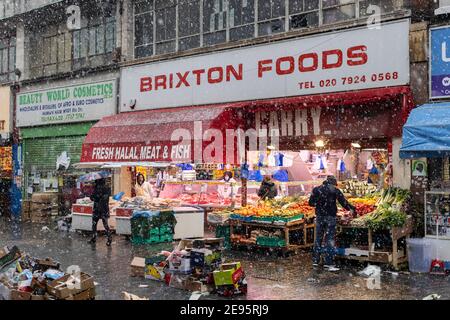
column 298, row 217
column 222, row 231
column 137, row 240
column 166, row 238
column 166, row 229
column 270, row 242
column 153, row 232
column 263, row 219
column 153, row 239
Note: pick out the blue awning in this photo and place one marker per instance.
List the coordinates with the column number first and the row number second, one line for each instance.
column 426, row 134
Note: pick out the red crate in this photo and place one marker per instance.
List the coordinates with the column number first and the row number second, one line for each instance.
column 123, row 212
column 82, row 209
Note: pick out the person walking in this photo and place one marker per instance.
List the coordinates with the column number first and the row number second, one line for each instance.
column 268, row 189
column 100, row 197
column 324, row 198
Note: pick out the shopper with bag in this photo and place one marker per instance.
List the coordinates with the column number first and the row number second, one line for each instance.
column 101, row 209
column 324, row 199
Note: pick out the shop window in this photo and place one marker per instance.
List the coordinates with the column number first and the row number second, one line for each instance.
column 338, row 10
column 94, row 40
column 214, row 21
column 271, row 17
column 55, row 53
column 7, row 59
column 241, row 19
column 165, row 23
column 188, row 24
column 143, row 28
column 386, row 6
column 303, row 14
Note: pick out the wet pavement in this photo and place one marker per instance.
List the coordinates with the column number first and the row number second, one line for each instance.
column 268, row 276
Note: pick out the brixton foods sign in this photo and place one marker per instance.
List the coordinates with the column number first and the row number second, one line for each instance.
column 356, row 59
column 79, row 103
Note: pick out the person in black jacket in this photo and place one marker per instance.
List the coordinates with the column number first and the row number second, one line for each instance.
column 324, row 199
column 268, row 189
column 101, row 209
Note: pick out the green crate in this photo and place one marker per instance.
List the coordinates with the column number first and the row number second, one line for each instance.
column 270, row 242
column 166, row 238
column 222, row 231
column 154, row 232
column 300, row 216
column 153, row 239
column 263, row 219
column 137, row 240
column 166, row 229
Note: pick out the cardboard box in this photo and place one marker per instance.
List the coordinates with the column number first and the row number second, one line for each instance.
column 197, row 286
column 180, row 264
column 178, row 281
column 68, row 285
column 20, row 295
column 154, row 272
column 5, row 290
column 39, row 217
column 229, row 274
column 138, row 267
column 48, row 263
column 85, row 295
column 47, row 197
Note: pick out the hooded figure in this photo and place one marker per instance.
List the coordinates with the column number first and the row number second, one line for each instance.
column 324, row 199
column 101, row 209
column 268, row 189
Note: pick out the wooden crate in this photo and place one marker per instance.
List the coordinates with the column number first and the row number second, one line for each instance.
column 393, row 256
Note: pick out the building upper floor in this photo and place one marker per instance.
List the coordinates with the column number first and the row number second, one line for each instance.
column 42, row 39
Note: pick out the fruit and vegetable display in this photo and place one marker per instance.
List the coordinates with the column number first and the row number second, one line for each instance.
column 284, row 209
column 379, row 212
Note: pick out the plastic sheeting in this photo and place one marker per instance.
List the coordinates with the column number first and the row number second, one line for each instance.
column 426, row 134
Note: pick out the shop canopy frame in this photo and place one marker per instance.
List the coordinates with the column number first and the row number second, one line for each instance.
column 426, row 134
column 119, row 133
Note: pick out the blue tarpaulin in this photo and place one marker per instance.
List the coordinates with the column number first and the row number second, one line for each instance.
column 426, row 134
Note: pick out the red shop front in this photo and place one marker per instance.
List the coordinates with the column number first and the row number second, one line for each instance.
column 357, row 124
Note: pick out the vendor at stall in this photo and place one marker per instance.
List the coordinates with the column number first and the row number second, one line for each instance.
column 229, row 188
column 143, row 188
column 268, row 189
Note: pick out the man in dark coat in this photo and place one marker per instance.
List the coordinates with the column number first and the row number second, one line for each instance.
column 324, row 199
column 268, row 189
column 101, row 209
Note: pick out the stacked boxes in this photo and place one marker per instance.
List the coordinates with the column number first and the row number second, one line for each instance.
column 43, row 206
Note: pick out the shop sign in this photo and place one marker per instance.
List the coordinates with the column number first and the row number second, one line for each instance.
column 440, row 62
column 5, row 105
column 79, row 103
column 341, row 61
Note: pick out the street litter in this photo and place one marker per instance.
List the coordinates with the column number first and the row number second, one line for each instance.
column 194, row 265
column 370, row 270
column 29, row 278
column 433, row 296
column 130, row 296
